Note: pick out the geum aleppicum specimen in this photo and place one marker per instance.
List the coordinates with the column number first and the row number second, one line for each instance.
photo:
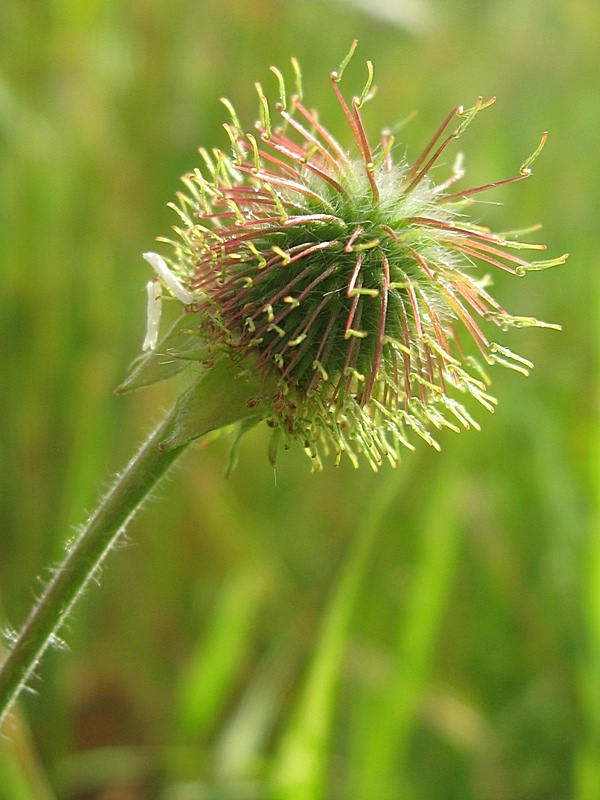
column 323, row 291
column 340, row 279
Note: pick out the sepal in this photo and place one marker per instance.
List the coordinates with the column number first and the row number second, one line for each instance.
column 172, row 355
column 221, row 396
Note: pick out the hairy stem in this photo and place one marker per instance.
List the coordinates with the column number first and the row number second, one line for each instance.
column 215, row 400
column 83, row 562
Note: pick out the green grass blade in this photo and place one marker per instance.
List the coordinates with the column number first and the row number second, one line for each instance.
column 301, row 764
column 215, row 664
column 391, row 716
column 21, row 774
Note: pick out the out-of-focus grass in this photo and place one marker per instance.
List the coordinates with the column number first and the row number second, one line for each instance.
column 466, row 663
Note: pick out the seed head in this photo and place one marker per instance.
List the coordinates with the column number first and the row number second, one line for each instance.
column 344, row 279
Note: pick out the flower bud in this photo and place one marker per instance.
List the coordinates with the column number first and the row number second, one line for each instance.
column 347, row 281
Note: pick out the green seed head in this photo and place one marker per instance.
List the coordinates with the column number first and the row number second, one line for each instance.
column 347, row 282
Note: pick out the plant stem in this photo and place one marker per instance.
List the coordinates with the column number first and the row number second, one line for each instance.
column 217, row 399
column 82, row 563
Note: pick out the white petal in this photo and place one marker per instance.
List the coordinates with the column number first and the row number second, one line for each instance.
column 169, row 278
column 154, row 309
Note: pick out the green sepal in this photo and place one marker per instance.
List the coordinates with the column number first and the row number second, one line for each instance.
column 171, row 356
column 221, row 396
column 243, row 428
column 274, row 446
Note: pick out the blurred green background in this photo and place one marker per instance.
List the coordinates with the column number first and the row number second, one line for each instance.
column 429, row 632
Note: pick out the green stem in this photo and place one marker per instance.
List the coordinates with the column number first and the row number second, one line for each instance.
column 82, row 563
column 215, row 400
